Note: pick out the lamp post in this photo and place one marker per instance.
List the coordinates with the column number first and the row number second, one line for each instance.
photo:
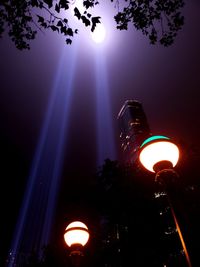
column 76, row 237
column 158, row 154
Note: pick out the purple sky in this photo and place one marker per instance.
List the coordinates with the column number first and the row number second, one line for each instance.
column 165, row 80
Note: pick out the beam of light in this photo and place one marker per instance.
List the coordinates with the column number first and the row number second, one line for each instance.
column 36, row 216
column 105, row 133
column 99, row 34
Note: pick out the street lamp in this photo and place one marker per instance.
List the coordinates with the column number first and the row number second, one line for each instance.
column 76, row 237
column 158, row 154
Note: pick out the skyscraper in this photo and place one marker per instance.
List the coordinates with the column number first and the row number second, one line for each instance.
column 134, row 129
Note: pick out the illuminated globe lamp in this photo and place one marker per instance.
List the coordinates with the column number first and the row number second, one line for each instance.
column 158, row 152
column 76, row 237
column 159, row 155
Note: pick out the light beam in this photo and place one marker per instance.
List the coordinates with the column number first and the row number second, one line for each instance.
column 105, row 133
column 37, row 212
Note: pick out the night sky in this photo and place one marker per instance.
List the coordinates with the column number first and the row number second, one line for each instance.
column 165, row 80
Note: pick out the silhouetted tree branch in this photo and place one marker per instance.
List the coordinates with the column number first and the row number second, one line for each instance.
column 160, row 20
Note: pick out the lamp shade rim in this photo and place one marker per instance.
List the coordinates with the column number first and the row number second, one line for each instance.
column 154, row 138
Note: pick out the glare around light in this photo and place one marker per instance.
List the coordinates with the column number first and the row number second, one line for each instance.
column 159, row 151
column 99, row 33
column 76, row 233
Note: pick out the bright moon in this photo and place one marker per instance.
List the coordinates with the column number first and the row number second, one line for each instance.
column 99, row 33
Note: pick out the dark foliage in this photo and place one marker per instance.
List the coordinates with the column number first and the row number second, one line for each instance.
column 160, row 20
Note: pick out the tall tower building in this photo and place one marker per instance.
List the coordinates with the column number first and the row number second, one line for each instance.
column 134, row 129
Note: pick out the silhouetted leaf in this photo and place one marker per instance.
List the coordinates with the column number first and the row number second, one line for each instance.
column 60, row 24
column 49, row 3
column 54, row 28
column 44, row 24
column 95, row 20
column 41, row 5
column 64, row 4
column 68, row 41
column 57, row 8
column 40, row 19
column 34, row 3
column 77, row 13
column 63, row 30
column 85, row 21
column 70, row 32
column 89, row 15
column 88, row 3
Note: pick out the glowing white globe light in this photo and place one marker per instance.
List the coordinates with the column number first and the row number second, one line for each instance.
column 76, row 233
column 157, row 152
column 99, row 34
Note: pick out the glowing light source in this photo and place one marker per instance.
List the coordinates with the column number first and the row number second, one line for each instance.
column 99, row 33
column 158, row 151
column 76, row 233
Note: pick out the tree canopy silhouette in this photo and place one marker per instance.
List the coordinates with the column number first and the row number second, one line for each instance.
column 159, row 20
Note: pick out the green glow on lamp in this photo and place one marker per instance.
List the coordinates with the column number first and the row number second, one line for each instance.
column 154, row 137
